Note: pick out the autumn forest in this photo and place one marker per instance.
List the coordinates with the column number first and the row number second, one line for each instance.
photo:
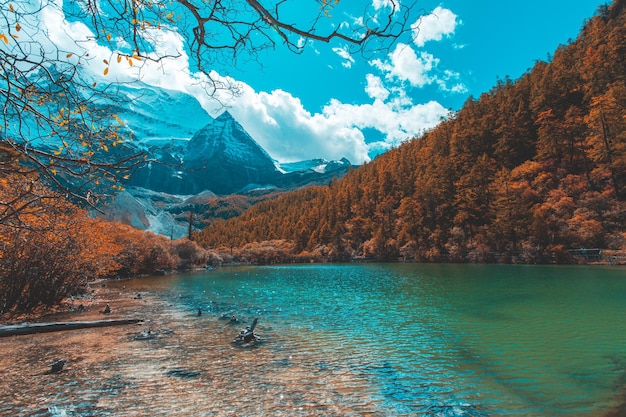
column 526, row 173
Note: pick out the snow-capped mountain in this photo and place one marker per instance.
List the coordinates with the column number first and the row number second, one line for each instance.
column 223, row 158
column 196, row 156
column 220, row 157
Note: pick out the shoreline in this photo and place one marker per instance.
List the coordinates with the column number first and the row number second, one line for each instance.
column 84, row 307
column 99, row 292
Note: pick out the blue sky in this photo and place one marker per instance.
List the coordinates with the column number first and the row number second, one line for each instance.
column 328, row 103
column 489, row 40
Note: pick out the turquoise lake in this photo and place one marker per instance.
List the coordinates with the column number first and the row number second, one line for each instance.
column 376, row 340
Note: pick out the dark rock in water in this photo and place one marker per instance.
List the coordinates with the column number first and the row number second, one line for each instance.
column 247, row 335
column 150, row 334
column 145, row 335
column 56, row 366
column 230, row 317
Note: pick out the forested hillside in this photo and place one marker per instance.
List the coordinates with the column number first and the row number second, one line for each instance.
column 529, row 170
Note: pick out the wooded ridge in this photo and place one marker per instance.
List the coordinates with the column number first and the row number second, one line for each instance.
column 529, row 170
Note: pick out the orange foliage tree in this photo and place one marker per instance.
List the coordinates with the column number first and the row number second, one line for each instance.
column 52, row 253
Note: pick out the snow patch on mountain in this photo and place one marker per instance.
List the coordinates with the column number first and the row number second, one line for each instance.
column 153, row 113
column 256, row 187
column 148, row 210
column 318, row 165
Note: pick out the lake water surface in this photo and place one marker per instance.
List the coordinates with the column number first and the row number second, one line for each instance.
column 350, row 339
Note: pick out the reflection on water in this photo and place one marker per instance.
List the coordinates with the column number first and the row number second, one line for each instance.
column 337, row 340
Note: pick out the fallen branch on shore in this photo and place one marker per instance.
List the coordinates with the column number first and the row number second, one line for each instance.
column 34, row 328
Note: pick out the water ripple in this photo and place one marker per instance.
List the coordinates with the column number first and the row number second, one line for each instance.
column 402, row 345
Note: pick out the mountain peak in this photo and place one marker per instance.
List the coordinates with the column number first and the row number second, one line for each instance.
column 225, row 135
column 224, row 157
column 225, row 116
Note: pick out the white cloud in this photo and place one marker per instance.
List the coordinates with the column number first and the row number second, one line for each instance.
column 375, row 88
column 282, row 126
column 405, row 65
column 345, row 54
column 288, row 132
column 61, row 38
column 397, row 124
column 382, row 4
column 449, row 81
column 433, row 26
column 277, row 120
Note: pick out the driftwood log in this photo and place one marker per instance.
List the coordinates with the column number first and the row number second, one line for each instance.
column 34, row 328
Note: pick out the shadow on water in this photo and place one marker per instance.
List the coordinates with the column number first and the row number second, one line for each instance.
column 407, row 397
column 619, row 365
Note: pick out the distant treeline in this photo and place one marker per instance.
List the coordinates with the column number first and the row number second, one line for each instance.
column 529, row 170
